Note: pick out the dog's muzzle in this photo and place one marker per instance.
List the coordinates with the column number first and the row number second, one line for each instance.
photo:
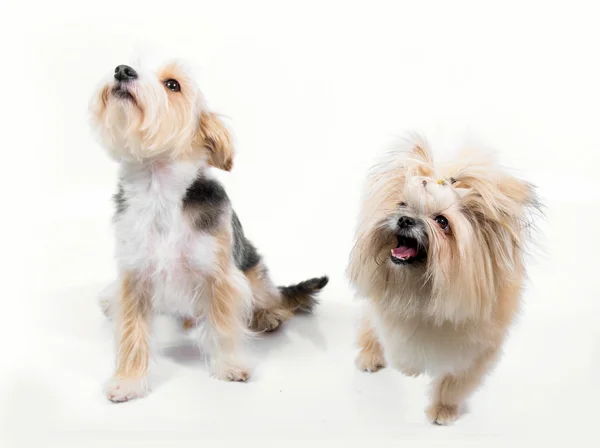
column 412, row 241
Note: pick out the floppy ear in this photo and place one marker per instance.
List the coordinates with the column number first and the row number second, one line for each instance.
column 214, row 136
column 517, row 190
column 495, row 194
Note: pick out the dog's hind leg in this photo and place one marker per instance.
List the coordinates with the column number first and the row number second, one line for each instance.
column 267, row 310
column 273, row 305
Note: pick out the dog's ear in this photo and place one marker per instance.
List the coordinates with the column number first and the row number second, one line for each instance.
column 517, row 190
column 214, row 136
column 494, row 193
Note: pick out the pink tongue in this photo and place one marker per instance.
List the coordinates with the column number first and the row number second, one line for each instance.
column 404, row 252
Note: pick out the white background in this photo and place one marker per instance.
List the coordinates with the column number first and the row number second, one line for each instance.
column 314, row 92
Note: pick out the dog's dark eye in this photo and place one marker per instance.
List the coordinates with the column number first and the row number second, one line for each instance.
column 442, row 222
column 173, row 85
column 402, row 204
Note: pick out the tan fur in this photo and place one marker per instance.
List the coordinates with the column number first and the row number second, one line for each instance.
column 448, row 316
column 371, row 357
column 273, row 305
column 225, row 306
column 214, row 135
column 133, row 334
column 134, row 330
column 268, row 313
column 265, row 293
column 156, row 121
column 188, row 323
column 266, row 320
column 227, row 313
column 104, row 98
column 450, row 391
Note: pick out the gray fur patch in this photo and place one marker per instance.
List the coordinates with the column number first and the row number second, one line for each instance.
column 244, row 253
column 206, row 200
column 120, row 201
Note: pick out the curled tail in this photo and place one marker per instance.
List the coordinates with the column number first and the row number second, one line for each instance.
column 299, row 298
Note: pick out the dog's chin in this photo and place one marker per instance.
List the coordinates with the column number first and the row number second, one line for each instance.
column 408, row 252
column 121, row 92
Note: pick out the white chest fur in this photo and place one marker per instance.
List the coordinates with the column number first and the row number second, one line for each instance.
column 415, row 345
column 155, row 239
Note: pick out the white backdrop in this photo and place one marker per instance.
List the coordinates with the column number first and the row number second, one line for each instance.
column 314, row 91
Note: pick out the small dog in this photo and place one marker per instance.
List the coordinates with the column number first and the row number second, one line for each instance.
column 439, row 255
column 180, row 246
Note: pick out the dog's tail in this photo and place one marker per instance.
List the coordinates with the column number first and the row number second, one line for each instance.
column 299, row 298
column 302, row 297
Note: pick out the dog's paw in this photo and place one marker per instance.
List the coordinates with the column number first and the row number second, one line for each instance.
column 369, row 361
column 266, row 321
column 407, row 371
column 119, row 390
column 230, row 372
column 442, row 414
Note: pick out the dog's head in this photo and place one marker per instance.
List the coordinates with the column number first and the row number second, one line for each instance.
column 142, row 112
column 444, row 238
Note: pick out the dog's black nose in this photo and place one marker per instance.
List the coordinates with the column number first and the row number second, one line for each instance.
column 125, row 73
column 405, row 222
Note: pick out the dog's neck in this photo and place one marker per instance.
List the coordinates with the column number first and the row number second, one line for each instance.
column 164, row 177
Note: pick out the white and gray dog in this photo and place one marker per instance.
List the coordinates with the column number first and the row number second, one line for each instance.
column 180, row 246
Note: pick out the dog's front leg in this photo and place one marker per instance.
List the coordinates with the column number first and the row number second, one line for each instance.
column 449, row 392
column 226, row 329
column 133, row 313
column 371, row 357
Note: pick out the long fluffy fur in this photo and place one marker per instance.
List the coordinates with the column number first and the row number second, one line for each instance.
column 446, row 316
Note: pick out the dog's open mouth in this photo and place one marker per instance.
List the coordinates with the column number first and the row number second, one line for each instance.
column 407, row 251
